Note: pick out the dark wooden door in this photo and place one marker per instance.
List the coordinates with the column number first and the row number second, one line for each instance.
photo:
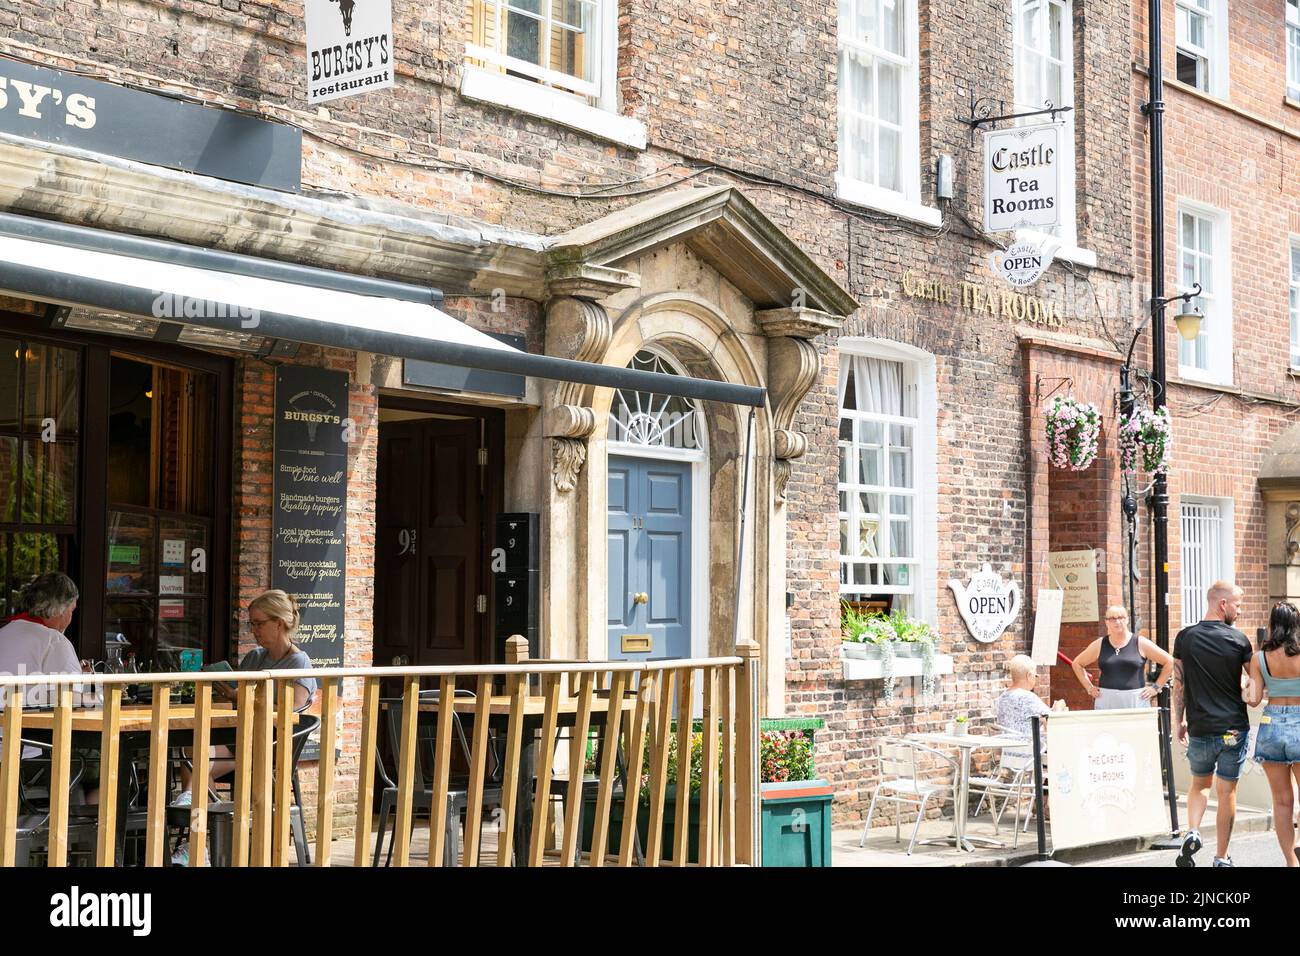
column 429, row 540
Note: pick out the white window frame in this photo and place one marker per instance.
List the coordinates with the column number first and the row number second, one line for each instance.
column 905, row 202
column 588, row 105
column 1066, row 233
column 919, row 371
column 1215, row 50
column 1217, row 303
column 1292, row 47
column 1218, row 563
column 1293, row 263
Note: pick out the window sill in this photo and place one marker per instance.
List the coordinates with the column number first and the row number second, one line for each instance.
column 857, row 669
column 1198, row 376
column 1215, row 96
column 858, row 193
column 524, row 96
column 1067, row 250
column 1292, row 102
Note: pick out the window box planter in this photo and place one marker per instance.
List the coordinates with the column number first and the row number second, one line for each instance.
column 796, row 820
column 857, row 669
column 856, row 650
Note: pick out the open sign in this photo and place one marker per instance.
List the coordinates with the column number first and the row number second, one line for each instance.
column 1023, row 262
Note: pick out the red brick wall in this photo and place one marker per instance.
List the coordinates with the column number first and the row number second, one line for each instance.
column 1240, row 155
column 252, row 510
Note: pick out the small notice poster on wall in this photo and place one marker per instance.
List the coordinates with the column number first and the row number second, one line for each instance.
column 308, row 551
column 1075, row 573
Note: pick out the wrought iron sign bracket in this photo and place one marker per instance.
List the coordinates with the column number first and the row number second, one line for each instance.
column 1040, row 380
column 981, row 112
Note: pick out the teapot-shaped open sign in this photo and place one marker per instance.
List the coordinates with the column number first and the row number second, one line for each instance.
column 988, row 604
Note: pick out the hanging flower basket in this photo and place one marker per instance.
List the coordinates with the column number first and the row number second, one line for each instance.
column 1144, row 441
column 1073, row 433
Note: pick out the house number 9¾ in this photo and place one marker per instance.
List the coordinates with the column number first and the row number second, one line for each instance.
column 406, row 538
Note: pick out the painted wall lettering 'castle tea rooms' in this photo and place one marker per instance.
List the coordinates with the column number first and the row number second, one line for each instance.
column 975, row 298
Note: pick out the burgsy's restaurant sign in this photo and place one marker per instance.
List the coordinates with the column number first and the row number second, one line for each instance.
column 52, row 106
column 349, row 47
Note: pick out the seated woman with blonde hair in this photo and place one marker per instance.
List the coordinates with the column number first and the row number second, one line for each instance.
column 273, row 620
column 1121, row 657
column 1018, row 705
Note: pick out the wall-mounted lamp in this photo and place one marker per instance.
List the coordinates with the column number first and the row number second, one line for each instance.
column 1188, row 318
column 1188, row 321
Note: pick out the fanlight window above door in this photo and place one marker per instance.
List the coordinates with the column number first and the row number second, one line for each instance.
column 660, row 421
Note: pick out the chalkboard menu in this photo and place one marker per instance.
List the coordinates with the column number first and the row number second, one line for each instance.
column 308, row 553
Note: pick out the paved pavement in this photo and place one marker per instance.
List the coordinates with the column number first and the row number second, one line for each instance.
column 1248, row 850
column 882, row 850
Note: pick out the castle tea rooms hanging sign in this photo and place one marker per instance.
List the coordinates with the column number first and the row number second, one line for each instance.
column 1022, row 177
column 349, row 47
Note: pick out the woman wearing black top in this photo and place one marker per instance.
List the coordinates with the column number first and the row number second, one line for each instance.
column 1121, row 657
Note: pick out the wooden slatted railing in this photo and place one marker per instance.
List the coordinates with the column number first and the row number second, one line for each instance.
column 642, row 713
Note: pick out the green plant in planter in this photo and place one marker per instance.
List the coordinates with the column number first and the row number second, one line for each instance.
column 864, row 628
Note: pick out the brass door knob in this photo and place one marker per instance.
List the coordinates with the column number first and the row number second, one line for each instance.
column 641, row 598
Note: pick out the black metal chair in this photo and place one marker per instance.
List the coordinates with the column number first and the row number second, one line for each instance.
column 33, row 820
column 221, row 813
column 422, row 797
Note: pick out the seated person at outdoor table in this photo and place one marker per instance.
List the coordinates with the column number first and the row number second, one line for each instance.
column 33, row 641
column 273, row 619
column 1018, row 705
column 1121, row 657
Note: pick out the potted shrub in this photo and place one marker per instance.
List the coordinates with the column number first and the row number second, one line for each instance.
column 960, row 725
column 796, row 808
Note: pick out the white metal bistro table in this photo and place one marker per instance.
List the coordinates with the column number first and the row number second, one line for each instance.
column 965, row 743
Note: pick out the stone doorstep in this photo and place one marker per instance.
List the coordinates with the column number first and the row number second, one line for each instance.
column 845, row 851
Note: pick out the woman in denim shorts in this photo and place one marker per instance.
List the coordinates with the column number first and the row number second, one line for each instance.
column 1275, row 673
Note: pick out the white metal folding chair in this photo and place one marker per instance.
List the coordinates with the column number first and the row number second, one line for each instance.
column 905, row 780
column 1013, row 780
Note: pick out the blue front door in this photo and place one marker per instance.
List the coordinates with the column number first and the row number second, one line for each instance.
column 649, row 554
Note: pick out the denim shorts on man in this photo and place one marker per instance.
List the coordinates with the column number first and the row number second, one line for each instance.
column 1222, row 754
column 1279, row 735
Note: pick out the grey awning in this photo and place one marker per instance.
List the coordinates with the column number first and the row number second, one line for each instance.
column 152, row 279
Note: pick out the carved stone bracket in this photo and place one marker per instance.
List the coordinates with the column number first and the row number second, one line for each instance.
column 792, row 366
column 580, row 329
column 567, row 458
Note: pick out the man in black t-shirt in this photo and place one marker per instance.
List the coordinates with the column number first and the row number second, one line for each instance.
column 1210, row 717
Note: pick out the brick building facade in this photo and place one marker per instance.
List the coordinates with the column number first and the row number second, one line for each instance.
column 707, row 201
column 1232, row 217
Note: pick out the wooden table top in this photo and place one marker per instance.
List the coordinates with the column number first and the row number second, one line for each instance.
column 136, row 718
column 995, row 741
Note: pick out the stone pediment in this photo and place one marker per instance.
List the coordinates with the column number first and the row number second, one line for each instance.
column 724, row 229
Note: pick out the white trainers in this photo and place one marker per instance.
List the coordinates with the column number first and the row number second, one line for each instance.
column 181, row 855
column 184, row 800
column 1191, row 844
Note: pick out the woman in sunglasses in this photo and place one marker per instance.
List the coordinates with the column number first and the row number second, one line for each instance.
column 1121, row 656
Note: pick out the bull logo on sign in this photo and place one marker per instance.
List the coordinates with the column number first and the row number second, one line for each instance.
column 346, row 7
